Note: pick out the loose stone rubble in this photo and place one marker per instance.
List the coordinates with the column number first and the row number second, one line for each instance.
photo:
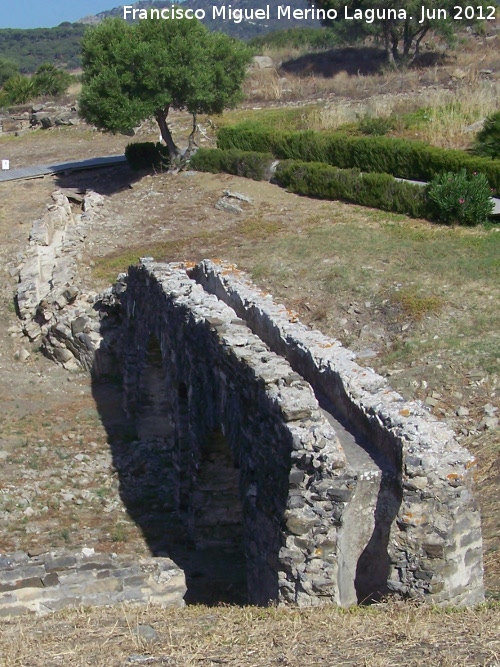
column 53, row 311
column 21, row 118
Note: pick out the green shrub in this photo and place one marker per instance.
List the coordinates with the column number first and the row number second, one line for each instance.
column 252, row 165
column 375, row 125
column 49, row 80
column 7, row 69
column 399, row 157
column 488, row 139
column 460, row 198
column 350, row 185
column 147, row 155
column 19, row 89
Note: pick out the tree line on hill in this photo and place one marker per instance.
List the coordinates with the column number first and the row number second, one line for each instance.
column 29, row 49
column 62, row 45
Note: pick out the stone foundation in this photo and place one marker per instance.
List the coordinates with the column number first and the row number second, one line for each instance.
column 55, row 580
column 348, row 492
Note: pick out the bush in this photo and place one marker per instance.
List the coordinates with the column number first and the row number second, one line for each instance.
column 49, row 80
column 488, row 139
column 7, row 69
column 256, row 166
column 147, row 155
column 399, row 157
column 460, row 198
column 350, row 185
column 375, row 125
column 19, row 89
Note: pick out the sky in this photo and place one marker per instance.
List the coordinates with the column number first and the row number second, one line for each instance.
column 36, row 14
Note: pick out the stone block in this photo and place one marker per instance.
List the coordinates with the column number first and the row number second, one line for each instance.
column 59, row 562
column 11, row 125
column 51, row 580
column 56, row 604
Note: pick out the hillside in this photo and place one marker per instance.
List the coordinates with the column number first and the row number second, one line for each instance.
column 61, row 45
column 243, row 30
column 414, row 300
column 31, row 48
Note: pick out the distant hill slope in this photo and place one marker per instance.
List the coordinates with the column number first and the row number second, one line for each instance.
column 31, row 48
column 61, row 45
column 243, row 30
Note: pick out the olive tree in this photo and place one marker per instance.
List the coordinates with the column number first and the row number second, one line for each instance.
column 132, row 72
column 403, row 34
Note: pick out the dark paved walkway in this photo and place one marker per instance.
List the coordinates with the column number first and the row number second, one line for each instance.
column 45, row 169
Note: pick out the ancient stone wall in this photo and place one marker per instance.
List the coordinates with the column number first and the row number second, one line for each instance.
column 54, row 312
column 348, row 492
column 55, row 580
column 213, row 373
column 25, row 117
column 435, row 541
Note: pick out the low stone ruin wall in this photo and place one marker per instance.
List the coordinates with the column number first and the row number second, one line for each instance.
column 54, row 311
column 348, row 491
column 21, row 118
column 55, row 580
column 191, row 367
column 435, row 542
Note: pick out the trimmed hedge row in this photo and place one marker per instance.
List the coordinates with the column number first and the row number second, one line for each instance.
column 449, row 198
column 399, row 157
column 256, row 166
column 382, row 191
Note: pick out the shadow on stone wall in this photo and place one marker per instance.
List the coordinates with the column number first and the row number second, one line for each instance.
column 214, row 573
column 374, row 564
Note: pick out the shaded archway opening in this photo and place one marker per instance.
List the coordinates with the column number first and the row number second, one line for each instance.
column 184, row 498
column 215, row 527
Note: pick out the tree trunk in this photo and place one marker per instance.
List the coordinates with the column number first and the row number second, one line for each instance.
column 192, row 143
column 394, row 46
column 161, row 119
column 418, row 40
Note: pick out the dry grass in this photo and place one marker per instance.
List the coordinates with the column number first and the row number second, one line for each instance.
column 389, row 636
column 455, row 94
column 448, row 112
column 444, row 120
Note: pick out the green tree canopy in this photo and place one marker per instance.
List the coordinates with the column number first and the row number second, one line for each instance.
column 402, row 36
column 7, row 69
column 132, row 72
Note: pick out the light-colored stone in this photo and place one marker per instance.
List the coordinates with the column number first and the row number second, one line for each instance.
column 262, row 62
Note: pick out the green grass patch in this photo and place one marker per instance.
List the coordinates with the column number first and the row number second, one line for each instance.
column 293, row 118
column 415, row 305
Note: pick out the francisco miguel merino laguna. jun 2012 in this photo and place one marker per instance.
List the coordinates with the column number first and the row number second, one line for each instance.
column 285, row 12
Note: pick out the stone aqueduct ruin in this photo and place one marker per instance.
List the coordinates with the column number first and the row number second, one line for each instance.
column 347, row 492
column 335, row 488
